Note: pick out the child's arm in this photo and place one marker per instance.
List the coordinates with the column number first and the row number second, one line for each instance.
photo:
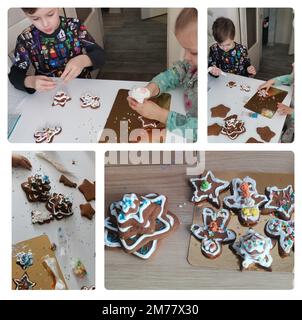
column 94, row 56
column 212, row 62
column 186, row 125
column 287, row 80
column 169, row 79
column 20, row 67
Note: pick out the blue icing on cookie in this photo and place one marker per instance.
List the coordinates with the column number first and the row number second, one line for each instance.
column 25, row 260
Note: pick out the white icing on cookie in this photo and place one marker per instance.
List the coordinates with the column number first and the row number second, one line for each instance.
column 46, row 134
column 214, row 232
column 203, row 184
column 88, row 100
column 281, row 201
column 60, row 99
column 284, row 230
column 254, row 248
column 40, row 216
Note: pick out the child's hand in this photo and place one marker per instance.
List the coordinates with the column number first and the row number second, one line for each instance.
column 20, row 161
column 149, row 110
column 266, row 86
column 39, row 83
column 284, row 110
column 75, row 66
column 251, row 70
column 153, row 88
column 216, row 72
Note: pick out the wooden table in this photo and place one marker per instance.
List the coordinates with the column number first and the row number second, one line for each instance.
column 234, row 98
column 169, row 269
column 78, row 231
column 78, row 124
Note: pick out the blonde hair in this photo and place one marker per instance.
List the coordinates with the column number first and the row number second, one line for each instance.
column 185, row 17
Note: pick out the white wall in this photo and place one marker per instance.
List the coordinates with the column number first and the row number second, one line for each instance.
column 284, row 25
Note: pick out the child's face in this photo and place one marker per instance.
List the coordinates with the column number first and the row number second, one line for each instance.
column 188, row 40
column 46, row 20
column 227, row 45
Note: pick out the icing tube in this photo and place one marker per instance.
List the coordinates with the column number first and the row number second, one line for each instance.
column 50, row 265
column 57, row 165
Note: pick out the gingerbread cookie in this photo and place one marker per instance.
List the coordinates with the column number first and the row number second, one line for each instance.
column 88, row 190
column 232, row 127
column 214, row 232
column 253, row 140
column 59, row 205
column 137, row 223
column 265, row 133
column 254, row 249
column 60, row 99
column 219, row 111
column 245, row 88
column 208, row 188
column 245, row 200
column 231, row 84
column 148, row 123
column 37, row 188
column 284, row 231
column 214, row 129
column 87, row 210
column 41, row 217
column 280, row 201
column 91, row 101
column 47, row 135
column 24, row 283
column 262, row 93
column 24, row 259
column 67, row 182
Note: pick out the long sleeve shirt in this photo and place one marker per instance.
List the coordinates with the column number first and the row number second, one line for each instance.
column 181, row 74
column 234, row 61
column 49, row 54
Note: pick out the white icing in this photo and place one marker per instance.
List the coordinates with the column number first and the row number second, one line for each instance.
column 254, row 248
column 88, row 100
column 46, row 134
column 200, row 197
column 139, row 94
column 212, row 245
column 238, row 201
column 53, row 268
column 60, row 99
column 150, row 252
column 288, row 190
column 40, row 216
column 282, row 229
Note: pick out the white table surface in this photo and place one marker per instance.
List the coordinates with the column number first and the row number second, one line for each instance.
column 78, row 124
column 79, row 231
column 234, row 98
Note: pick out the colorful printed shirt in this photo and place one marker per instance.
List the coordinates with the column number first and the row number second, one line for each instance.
column 181, row 74
column 233, row 61
column 49, row 54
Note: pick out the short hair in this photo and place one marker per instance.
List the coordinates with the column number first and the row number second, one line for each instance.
column 29, row 10
column 223, row 29
column 185, row 17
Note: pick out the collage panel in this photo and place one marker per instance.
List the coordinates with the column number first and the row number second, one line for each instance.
column 53, row 224
column 199, row 220
column 120, row 74
column 251, row 75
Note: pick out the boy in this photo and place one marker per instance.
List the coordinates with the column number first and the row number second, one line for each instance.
column 226, row 55
column 56, row 47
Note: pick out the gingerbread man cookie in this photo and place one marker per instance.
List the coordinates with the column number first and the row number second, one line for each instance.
column 208, row 188
column 281, row 202
column 231, row 84
column 254, row 249
column 60, row 99
column 37, row 188
column 233, row 127
column 47, row 135
column 284, row 231
column 89, row 100
column 214, row 232
column 245, row 200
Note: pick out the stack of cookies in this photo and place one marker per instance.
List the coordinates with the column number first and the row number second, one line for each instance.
column 137, row 223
